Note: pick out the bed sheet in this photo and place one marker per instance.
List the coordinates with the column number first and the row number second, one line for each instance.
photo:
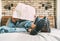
column 53, row 36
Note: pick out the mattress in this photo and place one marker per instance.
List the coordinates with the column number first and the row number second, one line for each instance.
column 53, row 36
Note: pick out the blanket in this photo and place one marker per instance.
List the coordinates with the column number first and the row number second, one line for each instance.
column 53, row 36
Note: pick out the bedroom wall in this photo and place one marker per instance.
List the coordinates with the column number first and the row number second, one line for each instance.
column 58, row 14
column 0, row 11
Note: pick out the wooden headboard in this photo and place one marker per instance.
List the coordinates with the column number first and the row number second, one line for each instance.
column 4, row 20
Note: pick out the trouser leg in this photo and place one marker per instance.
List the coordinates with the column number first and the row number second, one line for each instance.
column 5, row 29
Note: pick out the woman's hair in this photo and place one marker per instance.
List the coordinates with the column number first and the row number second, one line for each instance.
column 42, row 25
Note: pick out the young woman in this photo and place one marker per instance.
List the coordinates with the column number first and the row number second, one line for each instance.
column 23, row 20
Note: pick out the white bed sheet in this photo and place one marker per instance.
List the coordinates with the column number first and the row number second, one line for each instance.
column 53, row 36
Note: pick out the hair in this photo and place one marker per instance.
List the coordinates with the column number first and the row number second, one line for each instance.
column 42, row 25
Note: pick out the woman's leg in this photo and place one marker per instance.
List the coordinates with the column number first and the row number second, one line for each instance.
column 5, row 29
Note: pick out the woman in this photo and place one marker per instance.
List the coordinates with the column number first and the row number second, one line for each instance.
column 23, row 20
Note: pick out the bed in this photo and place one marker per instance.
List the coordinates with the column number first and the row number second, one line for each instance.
column 24, row 36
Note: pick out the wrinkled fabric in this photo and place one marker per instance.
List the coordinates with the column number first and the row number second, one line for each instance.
column 18, row 27
column 5, row 29
column 24, row 24
column 53, row 36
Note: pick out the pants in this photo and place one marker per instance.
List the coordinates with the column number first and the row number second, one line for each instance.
column 22, row 27
column 5, row 29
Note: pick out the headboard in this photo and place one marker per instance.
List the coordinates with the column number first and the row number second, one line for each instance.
column 4, row 20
